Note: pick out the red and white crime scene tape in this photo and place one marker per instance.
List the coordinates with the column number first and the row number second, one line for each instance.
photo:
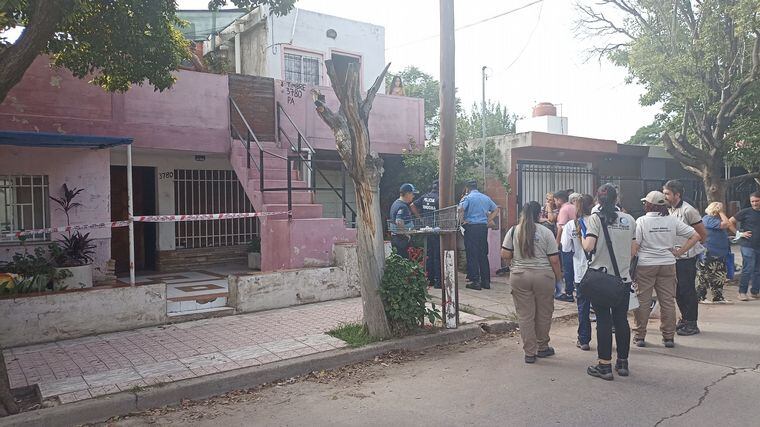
column 143, row 218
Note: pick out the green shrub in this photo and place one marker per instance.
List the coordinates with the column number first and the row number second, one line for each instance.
column 404, row 293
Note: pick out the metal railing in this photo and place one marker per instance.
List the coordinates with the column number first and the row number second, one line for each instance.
column 307, row 164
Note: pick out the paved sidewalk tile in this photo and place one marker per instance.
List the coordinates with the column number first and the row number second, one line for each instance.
column 87, row 367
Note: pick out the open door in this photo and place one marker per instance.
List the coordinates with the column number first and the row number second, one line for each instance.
column 144, row 189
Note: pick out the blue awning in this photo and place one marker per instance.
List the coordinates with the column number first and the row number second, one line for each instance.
column 57, row 140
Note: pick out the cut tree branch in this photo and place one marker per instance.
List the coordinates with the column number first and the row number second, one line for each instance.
column 740, row 178
column 370, row 98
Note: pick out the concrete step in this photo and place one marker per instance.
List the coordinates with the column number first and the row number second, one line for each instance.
column 281, row 197
column 275, row 183
column 300, row 210
column 208, row 313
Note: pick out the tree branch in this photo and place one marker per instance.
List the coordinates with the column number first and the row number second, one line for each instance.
column 724, row 117
column 736, row 179
column 670, row 147
column 44, row 18
column 370, row 98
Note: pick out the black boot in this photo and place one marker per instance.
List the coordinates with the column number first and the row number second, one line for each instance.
column 601, row 370
column 621, row 367
column 690, row 328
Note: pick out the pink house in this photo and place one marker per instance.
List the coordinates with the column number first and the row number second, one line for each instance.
column 186, row 162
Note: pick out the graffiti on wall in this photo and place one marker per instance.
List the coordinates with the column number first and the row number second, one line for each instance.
column 292, row 91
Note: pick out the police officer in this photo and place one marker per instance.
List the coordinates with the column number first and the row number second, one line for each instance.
column 401, row 220
column 427, row 205
column 477, row 212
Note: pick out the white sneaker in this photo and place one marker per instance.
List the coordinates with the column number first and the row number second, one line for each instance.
column 743, row 297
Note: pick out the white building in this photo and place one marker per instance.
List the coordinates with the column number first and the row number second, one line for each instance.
column 294, row 47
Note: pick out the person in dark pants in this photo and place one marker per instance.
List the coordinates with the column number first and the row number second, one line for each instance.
column 622, row 231
column 401, row 220
column 477, row 212
column 747, row 221
column 427, row 205
column 686, row 265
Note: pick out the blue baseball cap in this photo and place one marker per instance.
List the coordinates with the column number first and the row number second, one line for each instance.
column 407, row 188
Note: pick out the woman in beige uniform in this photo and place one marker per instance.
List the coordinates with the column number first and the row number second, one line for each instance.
column 534, row 270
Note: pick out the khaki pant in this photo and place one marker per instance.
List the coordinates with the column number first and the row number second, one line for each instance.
column 661, row 279
column 533, row 293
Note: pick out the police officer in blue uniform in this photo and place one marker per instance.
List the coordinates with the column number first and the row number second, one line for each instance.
column 477, row 212
column 401, row 219
column 427, row 205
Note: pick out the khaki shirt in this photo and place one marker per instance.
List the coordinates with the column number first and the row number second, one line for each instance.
column 545, row 245
column 622, row 235
column 689, row 215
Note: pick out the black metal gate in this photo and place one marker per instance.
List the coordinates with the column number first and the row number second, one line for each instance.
column 535, row 179
column 631, row 190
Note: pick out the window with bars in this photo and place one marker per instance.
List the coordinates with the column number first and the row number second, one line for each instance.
column 302, row 69
column 24, row 205
column 207, row 192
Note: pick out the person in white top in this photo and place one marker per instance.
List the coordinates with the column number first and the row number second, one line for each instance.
column 571, row 240
column 656, row 235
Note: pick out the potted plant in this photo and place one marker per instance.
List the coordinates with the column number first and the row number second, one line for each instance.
column 73, row 252
column 254, row 253
column 27, row 273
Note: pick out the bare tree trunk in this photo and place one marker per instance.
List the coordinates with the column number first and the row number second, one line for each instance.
column 715, row 184
column 6, row 399
column 15, row 59
column 351, row 128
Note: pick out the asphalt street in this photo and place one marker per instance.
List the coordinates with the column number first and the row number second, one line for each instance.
column 706, row 380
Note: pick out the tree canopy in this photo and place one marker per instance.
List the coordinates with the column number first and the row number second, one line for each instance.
column 419, row 84
column 699, row 60
column 118, row 42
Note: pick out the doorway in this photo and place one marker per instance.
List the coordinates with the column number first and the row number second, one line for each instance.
column 341, row 62
column 144, row 197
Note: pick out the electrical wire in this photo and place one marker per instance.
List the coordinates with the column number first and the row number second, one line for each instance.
column 472, row 24
column 525, row 46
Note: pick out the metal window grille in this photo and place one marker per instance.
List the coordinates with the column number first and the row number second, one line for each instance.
column 24, row 205
column 302, row 69
column 535, row 179
column 211, row 191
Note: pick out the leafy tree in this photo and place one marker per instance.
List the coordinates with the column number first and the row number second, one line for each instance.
column 120, row 42
column 421, row 164
column 647, row 135
column 701, row 61
column 419, row 84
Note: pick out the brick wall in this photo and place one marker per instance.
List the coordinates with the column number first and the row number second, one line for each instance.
column 193, row 259
column 255, row 97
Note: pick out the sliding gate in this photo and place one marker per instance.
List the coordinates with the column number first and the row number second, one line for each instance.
column 535, row 179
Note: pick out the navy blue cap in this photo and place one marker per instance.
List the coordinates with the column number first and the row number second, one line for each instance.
column 407, row 188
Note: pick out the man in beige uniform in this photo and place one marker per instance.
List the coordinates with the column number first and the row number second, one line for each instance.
column 686, row 265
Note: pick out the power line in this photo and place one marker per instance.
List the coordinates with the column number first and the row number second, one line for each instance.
column 525, row 46
column 468, row 25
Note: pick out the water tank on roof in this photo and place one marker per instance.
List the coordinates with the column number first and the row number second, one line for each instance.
column 544, row 109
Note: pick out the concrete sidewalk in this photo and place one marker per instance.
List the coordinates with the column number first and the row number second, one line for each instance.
column 83, row 368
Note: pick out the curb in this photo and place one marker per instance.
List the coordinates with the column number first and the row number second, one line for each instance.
column 123, row 403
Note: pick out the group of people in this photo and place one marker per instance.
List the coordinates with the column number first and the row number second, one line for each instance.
column 672, row 251
column 476, row 213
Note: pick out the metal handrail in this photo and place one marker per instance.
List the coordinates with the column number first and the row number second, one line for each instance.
column 280, row 108
column 251, row 133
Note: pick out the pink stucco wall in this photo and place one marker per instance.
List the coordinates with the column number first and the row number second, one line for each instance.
column 82, row 168
column 192, row 115
column 394, row 120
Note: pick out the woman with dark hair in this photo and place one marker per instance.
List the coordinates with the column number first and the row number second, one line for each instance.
column 397, row 87
column 571, row 240
column 656, row 236
column 616, row 259
column 534, row 269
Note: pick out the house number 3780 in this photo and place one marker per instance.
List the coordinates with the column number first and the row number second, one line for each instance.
column 166, row 175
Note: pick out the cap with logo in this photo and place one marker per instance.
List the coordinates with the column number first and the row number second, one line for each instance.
column 655, row 198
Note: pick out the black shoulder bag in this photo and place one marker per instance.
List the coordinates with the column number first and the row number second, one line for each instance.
column 602, row 288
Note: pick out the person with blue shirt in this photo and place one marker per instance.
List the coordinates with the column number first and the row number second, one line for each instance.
column 477, row 212
column 711, row 269
column 401, row 220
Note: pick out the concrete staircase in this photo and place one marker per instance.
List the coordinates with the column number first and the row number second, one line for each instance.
column 304, row 241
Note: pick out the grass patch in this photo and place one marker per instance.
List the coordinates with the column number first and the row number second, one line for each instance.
column 354, row 334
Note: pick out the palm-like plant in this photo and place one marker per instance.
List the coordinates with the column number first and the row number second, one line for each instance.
column 73, row 249
column 66, row 201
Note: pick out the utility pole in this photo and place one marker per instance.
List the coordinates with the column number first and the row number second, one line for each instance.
column 446, row 163
column 483, row 126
